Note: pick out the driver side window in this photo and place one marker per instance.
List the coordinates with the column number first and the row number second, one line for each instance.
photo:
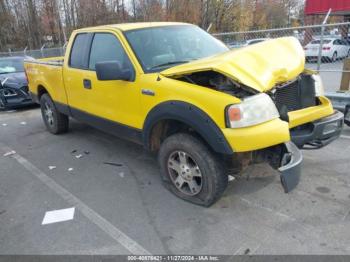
column 106, row 47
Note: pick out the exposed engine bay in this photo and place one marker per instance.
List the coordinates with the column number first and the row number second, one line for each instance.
column 289, row 96
column 219, row 82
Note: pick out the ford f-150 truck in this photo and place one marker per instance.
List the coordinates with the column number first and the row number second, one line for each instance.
column 207, row 111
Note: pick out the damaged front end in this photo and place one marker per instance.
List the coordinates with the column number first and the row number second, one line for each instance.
column 13, row 94
column 289, row 166
column 279, row 101
column 219, row 82
column 286, row 158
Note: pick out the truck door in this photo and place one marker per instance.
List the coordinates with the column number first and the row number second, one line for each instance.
column 114, row 100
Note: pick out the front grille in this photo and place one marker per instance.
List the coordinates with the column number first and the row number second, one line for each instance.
column 288, row 95
column 295, row 95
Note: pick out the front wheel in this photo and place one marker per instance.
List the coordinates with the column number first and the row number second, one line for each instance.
column 190, row 170
column 56, row 122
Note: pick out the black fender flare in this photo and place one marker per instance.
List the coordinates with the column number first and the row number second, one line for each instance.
column 191, row 116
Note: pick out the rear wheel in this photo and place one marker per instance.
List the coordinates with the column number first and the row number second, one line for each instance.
column 190, row 170
column 55, row 121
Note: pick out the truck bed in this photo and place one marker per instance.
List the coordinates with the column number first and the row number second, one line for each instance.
column 46, row 73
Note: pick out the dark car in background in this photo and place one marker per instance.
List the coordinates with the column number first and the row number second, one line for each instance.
column 13, row 83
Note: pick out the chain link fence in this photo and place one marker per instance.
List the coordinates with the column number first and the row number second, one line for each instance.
column 326, row 46
column 39, row 53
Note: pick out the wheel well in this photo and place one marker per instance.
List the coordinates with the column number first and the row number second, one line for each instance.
column 165, row 128
column 41, row 90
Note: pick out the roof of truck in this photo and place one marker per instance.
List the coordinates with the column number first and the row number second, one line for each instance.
column 133, row 26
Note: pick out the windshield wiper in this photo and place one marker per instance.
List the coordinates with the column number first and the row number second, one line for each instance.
column 170, row 63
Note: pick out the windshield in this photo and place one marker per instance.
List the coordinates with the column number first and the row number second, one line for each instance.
column 162, row 47
column 11, row 65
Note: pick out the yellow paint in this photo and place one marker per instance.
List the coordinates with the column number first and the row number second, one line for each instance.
column 256, row 137
column 122, row 101
column 132, row 26
column 310, row 114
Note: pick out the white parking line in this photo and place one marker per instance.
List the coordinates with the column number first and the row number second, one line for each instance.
column 347, row 137
column 128, row 243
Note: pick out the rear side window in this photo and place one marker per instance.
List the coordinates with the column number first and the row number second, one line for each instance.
column 78, row 56
column 106, row 47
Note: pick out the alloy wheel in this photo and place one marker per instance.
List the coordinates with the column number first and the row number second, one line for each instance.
column 185, row 173
column 48, row 114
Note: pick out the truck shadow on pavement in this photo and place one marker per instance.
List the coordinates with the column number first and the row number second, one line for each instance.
column 253, row 179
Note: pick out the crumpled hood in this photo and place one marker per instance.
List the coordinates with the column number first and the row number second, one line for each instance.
column 260, row 66
column 15, row 80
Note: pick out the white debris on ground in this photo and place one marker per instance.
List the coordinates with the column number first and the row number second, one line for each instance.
column 231, row 178
column 23, row 123
column 79, row 156
column 10, row 153
column 121, row 174
column 70, row 169
column 52, row 167
column 4, row 124
column 60, row 215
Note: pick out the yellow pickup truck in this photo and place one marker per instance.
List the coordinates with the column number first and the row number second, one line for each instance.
column 207, row 111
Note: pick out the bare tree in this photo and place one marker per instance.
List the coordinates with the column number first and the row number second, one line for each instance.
column 28, row 22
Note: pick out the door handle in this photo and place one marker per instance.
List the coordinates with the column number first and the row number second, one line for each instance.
column 87, row 83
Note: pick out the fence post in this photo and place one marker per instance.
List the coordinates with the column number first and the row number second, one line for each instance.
column 319, row 58
column 345, row 78
column 42, row 50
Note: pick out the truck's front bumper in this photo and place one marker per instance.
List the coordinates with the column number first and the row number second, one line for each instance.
column 319, row 133
column 286, row 158
column 290, row 168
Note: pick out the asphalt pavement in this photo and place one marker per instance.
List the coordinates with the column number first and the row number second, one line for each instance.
column 122, row 208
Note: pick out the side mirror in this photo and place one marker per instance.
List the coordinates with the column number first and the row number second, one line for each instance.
column 113, row 70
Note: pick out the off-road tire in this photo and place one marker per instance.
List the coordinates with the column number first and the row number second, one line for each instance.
column 59, row 123
column 213, row 177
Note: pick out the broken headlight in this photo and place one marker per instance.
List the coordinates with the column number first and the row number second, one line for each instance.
column 251, row 111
